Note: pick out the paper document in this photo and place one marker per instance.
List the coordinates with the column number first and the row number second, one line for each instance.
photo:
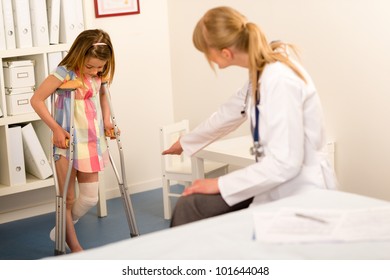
column 291, row 225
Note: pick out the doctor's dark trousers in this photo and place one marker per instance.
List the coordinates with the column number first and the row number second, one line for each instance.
column 196, row 207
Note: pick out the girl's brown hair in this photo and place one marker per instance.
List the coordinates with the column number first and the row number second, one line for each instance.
column 94, row 43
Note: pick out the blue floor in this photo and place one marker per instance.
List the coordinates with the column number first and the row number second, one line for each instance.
column 28, row 239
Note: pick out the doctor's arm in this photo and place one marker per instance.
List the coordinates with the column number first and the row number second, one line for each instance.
column 282, row 128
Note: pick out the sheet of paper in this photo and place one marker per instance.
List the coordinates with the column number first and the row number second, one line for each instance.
column 292, row 225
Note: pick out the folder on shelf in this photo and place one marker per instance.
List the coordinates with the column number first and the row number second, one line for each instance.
column 9, row 27
column 53, row 59
column 22, row 21
column 3, row 44
column 53, row 15
column 79, row 17
column 39, row 25
column 69, row 25
column 34, row 156
column 17, row 171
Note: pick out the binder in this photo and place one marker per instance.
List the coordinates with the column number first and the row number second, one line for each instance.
column 68, row 21
column 22, row 21
column 39, row 25
column 3, row 44
column 79, row 17
column 35, row 159
column 53, row 15
column 17, row 170
column 53, row 59
column 9, row 27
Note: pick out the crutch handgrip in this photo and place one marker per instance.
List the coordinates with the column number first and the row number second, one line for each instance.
column 66, row 142
column 110, row 133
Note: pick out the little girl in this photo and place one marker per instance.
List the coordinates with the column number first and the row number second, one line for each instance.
column 89, row 60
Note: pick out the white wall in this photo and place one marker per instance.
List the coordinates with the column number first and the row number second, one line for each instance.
column 197, row 89
column 345, row 46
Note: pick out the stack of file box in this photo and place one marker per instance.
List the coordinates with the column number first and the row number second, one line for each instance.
column 19, row 82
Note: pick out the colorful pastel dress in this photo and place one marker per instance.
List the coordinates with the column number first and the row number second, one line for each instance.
column 90, row 150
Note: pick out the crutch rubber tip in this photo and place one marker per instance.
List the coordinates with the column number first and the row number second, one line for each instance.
column 58, row 252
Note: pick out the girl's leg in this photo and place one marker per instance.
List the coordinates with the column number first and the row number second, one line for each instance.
column 88, row 194
column 62, row 168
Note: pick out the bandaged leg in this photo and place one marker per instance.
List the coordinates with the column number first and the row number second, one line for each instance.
column 88, row 197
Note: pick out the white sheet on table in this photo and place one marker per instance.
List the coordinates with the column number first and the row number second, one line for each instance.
column 284, row 226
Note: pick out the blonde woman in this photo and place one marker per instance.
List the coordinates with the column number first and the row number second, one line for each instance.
column 285, row 115
column 89, row 60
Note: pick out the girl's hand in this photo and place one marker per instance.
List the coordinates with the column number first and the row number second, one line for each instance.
column 61, row 138
column 109, row 130
column 175, row 149
column 204, row 186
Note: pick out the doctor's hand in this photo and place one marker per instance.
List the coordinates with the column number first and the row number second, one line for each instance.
column 204, row 186
column 175, row 149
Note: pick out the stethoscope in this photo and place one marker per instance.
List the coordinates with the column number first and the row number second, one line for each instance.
column 256, row 150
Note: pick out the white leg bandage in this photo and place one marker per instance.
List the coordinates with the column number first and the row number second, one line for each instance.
column 88, row 197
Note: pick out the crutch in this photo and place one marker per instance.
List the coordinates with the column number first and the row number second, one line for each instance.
column 121, row 176
column 60, row 228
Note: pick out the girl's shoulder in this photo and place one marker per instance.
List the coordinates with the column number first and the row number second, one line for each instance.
column 64, row 74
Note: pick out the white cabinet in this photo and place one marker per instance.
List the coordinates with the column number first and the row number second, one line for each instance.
column 41, row 70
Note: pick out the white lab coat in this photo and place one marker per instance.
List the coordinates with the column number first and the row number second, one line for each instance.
column 291, row 133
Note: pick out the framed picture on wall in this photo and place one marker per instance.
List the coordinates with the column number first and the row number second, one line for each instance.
column 110, row 8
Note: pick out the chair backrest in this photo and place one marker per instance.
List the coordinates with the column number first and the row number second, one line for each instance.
column 169, row 134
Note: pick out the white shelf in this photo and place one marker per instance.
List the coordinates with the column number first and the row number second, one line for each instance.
column 7, row 120
column 33, row 51
column 33, row 183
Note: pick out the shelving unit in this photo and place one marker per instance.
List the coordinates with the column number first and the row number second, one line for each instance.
column 35, row 196
column 41, row 71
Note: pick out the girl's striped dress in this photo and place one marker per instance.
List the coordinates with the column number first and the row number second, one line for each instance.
column 90, row 150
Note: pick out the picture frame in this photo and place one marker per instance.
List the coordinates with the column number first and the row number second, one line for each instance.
column 111, row 8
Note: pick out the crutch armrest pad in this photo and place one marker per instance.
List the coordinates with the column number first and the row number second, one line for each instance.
column 72, row 84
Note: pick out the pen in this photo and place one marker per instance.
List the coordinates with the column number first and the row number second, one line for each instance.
column 300, row 215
